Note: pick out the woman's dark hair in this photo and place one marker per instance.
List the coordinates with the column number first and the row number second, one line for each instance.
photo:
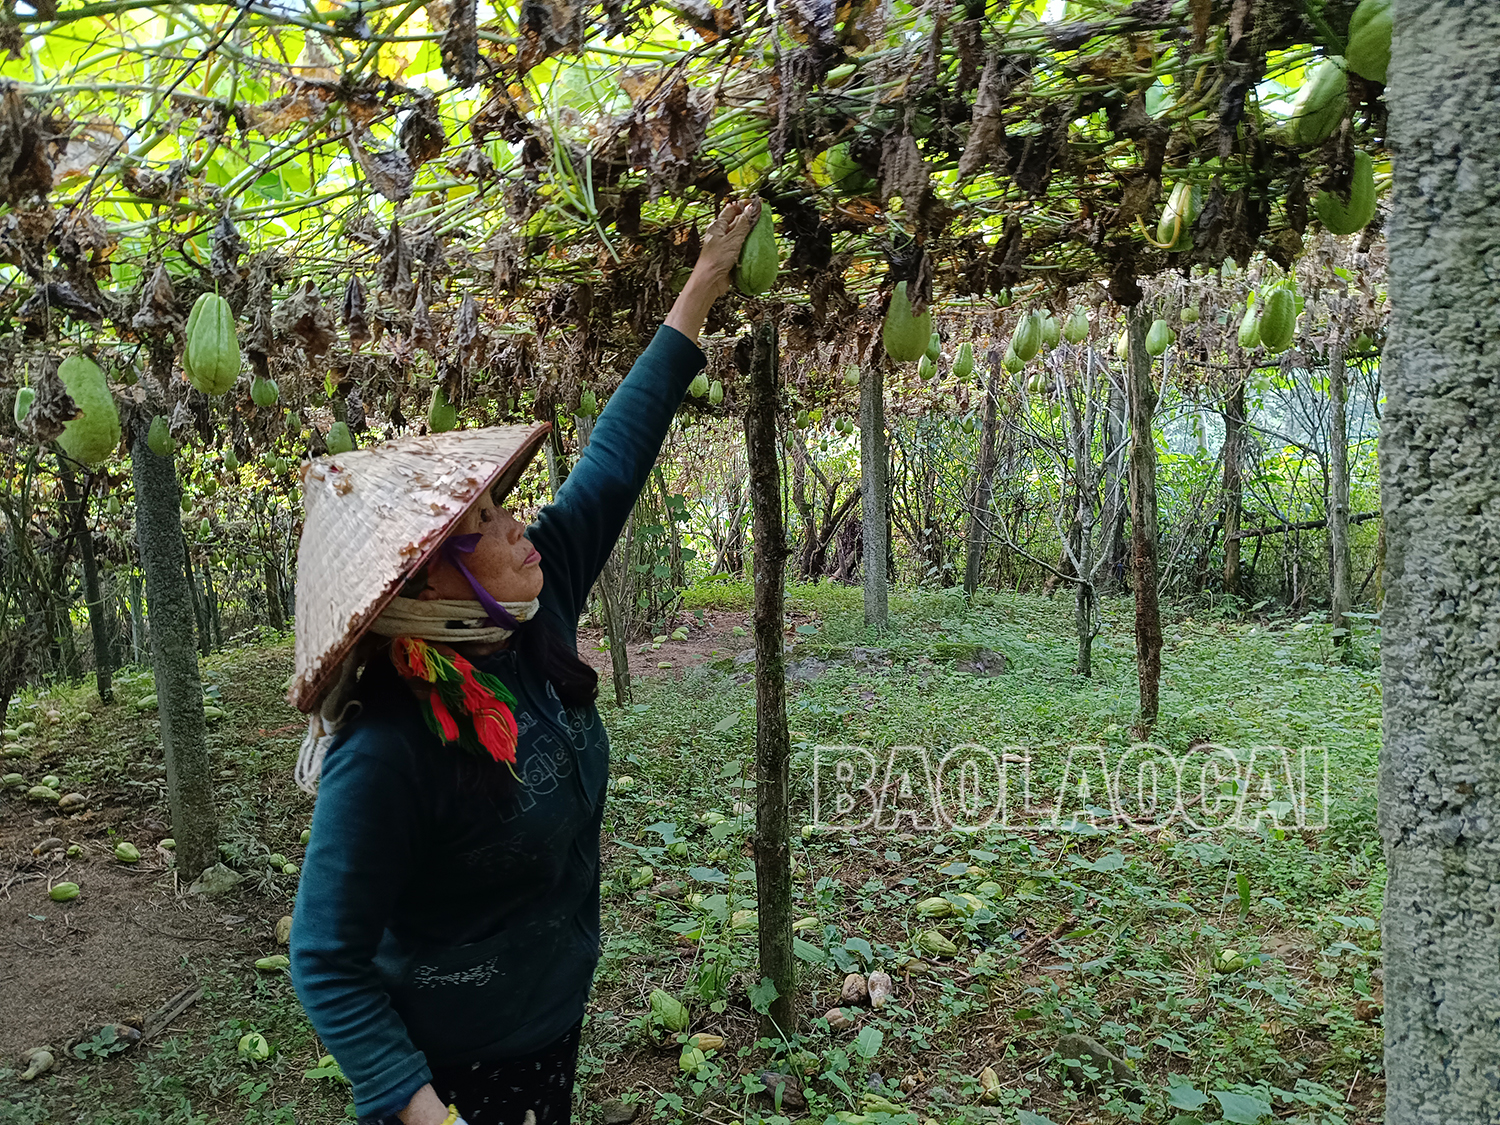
column 538, row 642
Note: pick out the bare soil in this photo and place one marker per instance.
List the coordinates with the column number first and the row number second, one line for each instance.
column 708, row 642
column 133, row 937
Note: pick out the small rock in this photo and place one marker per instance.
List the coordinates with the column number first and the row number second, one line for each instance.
column 784, row 1085
column 284, row 930
column 217, row 880
column 838, row 1019
column 616, row 1112
column 854, row 990
column 1075, row 1049
column 989, row 663
column 667, row 889
column 806, row 670
column 71, row 802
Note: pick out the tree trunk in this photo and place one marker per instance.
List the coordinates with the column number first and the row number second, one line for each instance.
column 275, row 614
column 984, row 481
column 557, row 463
column 1380, row 565
column 1080, row 431
column 673, row 530
column 195, row 592
column 809, row 543
column 137, row 618
column 1338, row 490
column 211, row 597
column 833, row 521
column 1142, row 394
column 1234, row 484
column 734, row 535
column 98, row 620
column 875, row 499
column 1440, row 479
column 1112, row 540
column 62, row 617
column 179, row 691
column 773, row 853
column 614, row 629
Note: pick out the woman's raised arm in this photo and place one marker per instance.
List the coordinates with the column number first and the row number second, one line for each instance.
column 576, row 532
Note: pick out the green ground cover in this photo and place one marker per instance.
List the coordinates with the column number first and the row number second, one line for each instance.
column 1234, row 968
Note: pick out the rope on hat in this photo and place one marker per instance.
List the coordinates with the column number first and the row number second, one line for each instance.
column 449, row 682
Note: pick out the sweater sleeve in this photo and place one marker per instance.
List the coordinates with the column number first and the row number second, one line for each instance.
column 360, row 855
column 576, row 532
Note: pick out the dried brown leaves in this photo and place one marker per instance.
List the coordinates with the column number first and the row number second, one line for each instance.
column 24, row 168
column 389, row 171
column 422, row 136
column 987, row 127
column 304, row 316
column 903, row 172
column 666, row 127
column 459, row 47
column 549, row 27
column 354, row 319
column 52, row 407
column 158, row 310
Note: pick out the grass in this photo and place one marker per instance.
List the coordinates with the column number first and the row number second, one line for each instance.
column 1084, row 926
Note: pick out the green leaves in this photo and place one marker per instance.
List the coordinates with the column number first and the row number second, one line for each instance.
column 1242, row 1109
column 763, row 995
column 1185, row 1097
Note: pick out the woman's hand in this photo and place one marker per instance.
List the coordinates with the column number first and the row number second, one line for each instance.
column 716, row 260
column 425, row 1108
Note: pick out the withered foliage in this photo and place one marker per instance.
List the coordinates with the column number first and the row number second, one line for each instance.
column 52, row 408
column 549, row 27
column 354, row 320
column 158, row 309
column 389, row 171
column 25, row 170
column 306, row 320
column 565, row 244
column 459, row 47
column 666, row 126
column 422, row 136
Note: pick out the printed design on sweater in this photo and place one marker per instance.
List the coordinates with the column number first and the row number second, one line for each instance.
column 545, row 761
column 476, row 976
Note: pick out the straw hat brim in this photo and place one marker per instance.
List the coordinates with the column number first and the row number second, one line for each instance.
column 373, row 518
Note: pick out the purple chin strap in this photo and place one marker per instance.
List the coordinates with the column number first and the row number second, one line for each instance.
column 458, row 545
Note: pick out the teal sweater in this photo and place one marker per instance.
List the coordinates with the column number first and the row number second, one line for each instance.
column 437, row 925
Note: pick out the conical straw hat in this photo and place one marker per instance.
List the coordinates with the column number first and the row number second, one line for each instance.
column 372, row 518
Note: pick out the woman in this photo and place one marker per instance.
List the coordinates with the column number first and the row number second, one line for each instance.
column 447, row 924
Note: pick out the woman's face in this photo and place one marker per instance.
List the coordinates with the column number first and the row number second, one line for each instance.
column 504, row 561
